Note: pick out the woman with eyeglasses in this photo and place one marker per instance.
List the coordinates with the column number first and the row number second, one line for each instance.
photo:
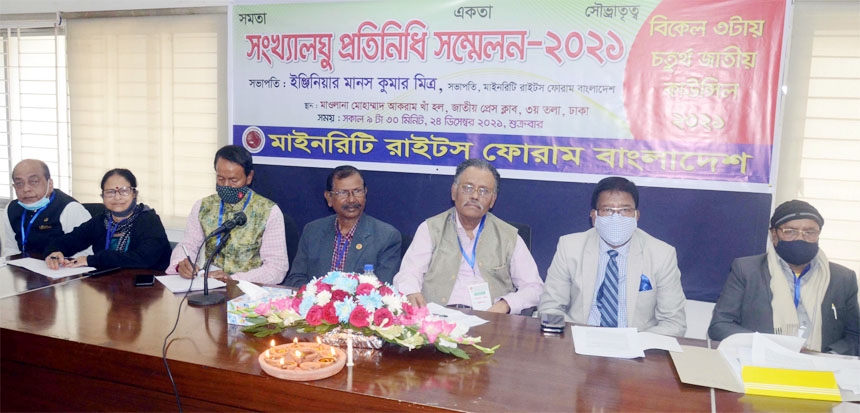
column 127, row 235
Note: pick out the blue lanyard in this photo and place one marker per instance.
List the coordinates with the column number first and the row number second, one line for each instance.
column 797, row 285
column 221, row 213
column 25, row 234
column 470, row 259
column 111, row 230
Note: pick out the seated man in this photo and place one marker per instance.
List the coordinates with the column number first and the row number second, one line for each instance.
column 256, row 251
column 40, row 213
column 466, row 257
column 792, row 289
column 615, row 275
column 347, row 240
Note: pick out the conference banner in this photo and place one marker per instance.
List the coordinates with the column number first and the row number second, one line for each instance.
column 672, row 91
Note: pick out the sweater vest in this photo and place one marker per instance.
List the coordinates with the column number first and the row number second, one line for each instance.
column 493, row 257
column 242, row 251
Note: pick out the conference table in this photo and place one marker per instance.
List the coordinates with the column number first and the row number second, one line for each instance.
column 96, row 344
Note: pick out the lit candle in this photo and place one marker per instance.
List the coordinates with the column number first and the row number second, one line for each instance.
column 272, row 343
column 298, row 358
column 319, row 343
column 295, row 342
column 267, row 354
column 333, row 354
column 349, row 361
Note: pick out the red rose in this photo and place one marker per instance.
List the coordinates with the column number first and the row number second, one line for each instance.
column 359, row 317
column 385, row 290
column 329, row 313
column 383, row 317
column 364, row 289
column 315, row 316
column 339, row 295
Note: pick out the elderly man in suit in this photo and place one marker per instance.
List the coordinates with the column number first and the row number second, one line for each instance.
column 347, row 240
column 792, row 289
column 615, row 275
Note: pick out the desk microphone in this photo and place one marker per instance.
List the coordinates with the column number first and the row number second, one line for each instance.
column 205, row 298
column 238, row 220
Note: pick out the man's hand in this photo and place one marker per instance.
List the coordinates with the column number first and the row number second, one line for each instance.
column 417, row 300
column 219, row 275
column 500, row 306
column 186, row 270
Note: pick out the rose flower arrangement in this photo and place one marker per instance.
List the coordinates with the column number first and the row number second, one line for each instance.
column 363, row 304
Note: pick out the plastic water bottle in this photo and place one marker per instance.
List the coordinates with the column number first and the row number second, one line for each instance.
column 368, row 270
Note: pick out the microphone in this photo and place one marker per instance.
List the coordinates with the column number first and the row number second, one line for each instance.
column 206, row 298
column 238, row 220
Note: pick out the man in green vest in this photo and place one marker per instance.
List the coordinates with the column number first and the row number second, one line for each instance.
column 466, row 257
column 255, row 251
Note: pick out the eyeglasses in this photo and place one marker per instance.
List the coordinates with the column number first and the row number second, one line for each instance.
column 122, row 192
column 625, row 211
column 470, row 189
column 344, row 193
column 791, row 234
column 31, row 182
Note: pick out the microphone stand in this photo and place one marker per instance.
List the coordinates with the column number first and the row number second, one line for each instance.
column 205, row 298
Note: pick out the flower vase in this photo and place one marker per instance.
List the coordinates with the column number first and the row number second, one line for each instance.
column 339, row 336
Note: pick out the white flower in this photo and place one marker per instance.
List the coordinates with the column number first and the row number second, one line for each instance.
column 273, row 318
column 311, row 289
column 394, row 302
column 367, row 279
column 323, row 298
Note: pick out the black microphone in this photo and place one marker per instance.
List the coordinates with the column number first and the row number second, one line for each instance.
column 238, row 220
column 206, row 298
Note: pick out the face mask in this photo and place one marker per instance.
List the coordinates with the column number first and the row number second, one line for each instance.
column 231, row 195
column 615, row 229
column 798, row 252
column 38, row 204
column 128, row 211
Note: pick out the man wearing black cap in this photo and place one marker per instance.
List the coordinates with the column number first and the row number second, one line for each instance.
column 792, row 289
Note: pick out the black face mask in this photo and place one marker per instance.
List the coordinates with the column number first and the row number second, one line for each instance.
column 798, row 252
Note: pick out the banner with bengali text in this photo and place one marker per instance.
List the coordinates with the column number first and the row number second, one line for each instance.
column 674, row 92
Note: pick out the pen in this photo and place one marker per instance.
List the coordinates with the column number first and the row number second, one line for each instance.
column 833, row 306
column 188, row 257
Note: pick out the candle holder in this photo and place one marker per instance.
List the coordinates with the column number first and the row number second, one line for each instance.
column 313, row 363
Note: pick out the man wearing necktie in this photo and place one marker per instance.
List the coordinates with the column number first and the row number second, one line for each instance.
column 615, row 275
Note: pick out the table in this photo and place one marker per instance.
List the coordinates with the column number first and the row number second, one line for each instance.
column 96, row 344
column 16, row 280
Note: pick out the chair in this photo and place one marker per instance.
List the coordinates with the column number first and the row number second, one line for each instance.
column 94, row 208
column 405, row 241
column 525, row 231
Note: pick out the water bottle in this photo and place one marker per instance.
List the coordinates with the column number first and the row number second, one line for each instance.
column 368, row 270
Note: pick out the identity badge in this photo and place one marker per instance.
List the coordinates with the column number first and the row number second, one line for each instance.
column 480, row 296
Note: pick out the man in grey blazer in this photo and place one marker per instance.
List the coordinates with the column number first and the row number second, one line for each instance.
column 615, row 275
column 347, row 240
column 792, row 289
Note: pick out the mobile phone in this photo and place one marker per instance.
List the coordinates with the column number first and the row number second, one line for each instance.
column 144, row 280
column 552, row 323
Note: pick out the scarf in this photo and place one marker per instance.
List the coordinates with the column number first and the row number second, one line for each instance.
column 122, row 229
column 785, row 320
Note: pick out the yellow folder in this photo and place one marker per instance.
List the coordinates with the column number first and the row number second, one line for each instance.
column 799, row 384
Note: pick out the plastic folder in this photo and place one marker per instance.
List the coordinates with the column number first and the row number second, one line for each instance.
column 799, row 384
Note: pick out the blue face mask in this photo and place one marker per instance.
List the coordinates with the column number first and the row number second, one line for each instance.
column 38, row 204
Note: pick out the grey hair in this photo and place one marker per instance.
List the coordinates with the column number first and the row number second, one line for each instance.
column 480, row 164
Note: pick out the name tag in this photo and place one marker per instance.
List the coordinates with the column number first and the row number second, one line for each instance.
column 480, row 296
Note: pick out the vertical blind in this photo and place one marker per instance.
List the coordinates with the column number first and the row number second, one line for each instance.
column 820, row 155
column 147, row 94
column 33, row 101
